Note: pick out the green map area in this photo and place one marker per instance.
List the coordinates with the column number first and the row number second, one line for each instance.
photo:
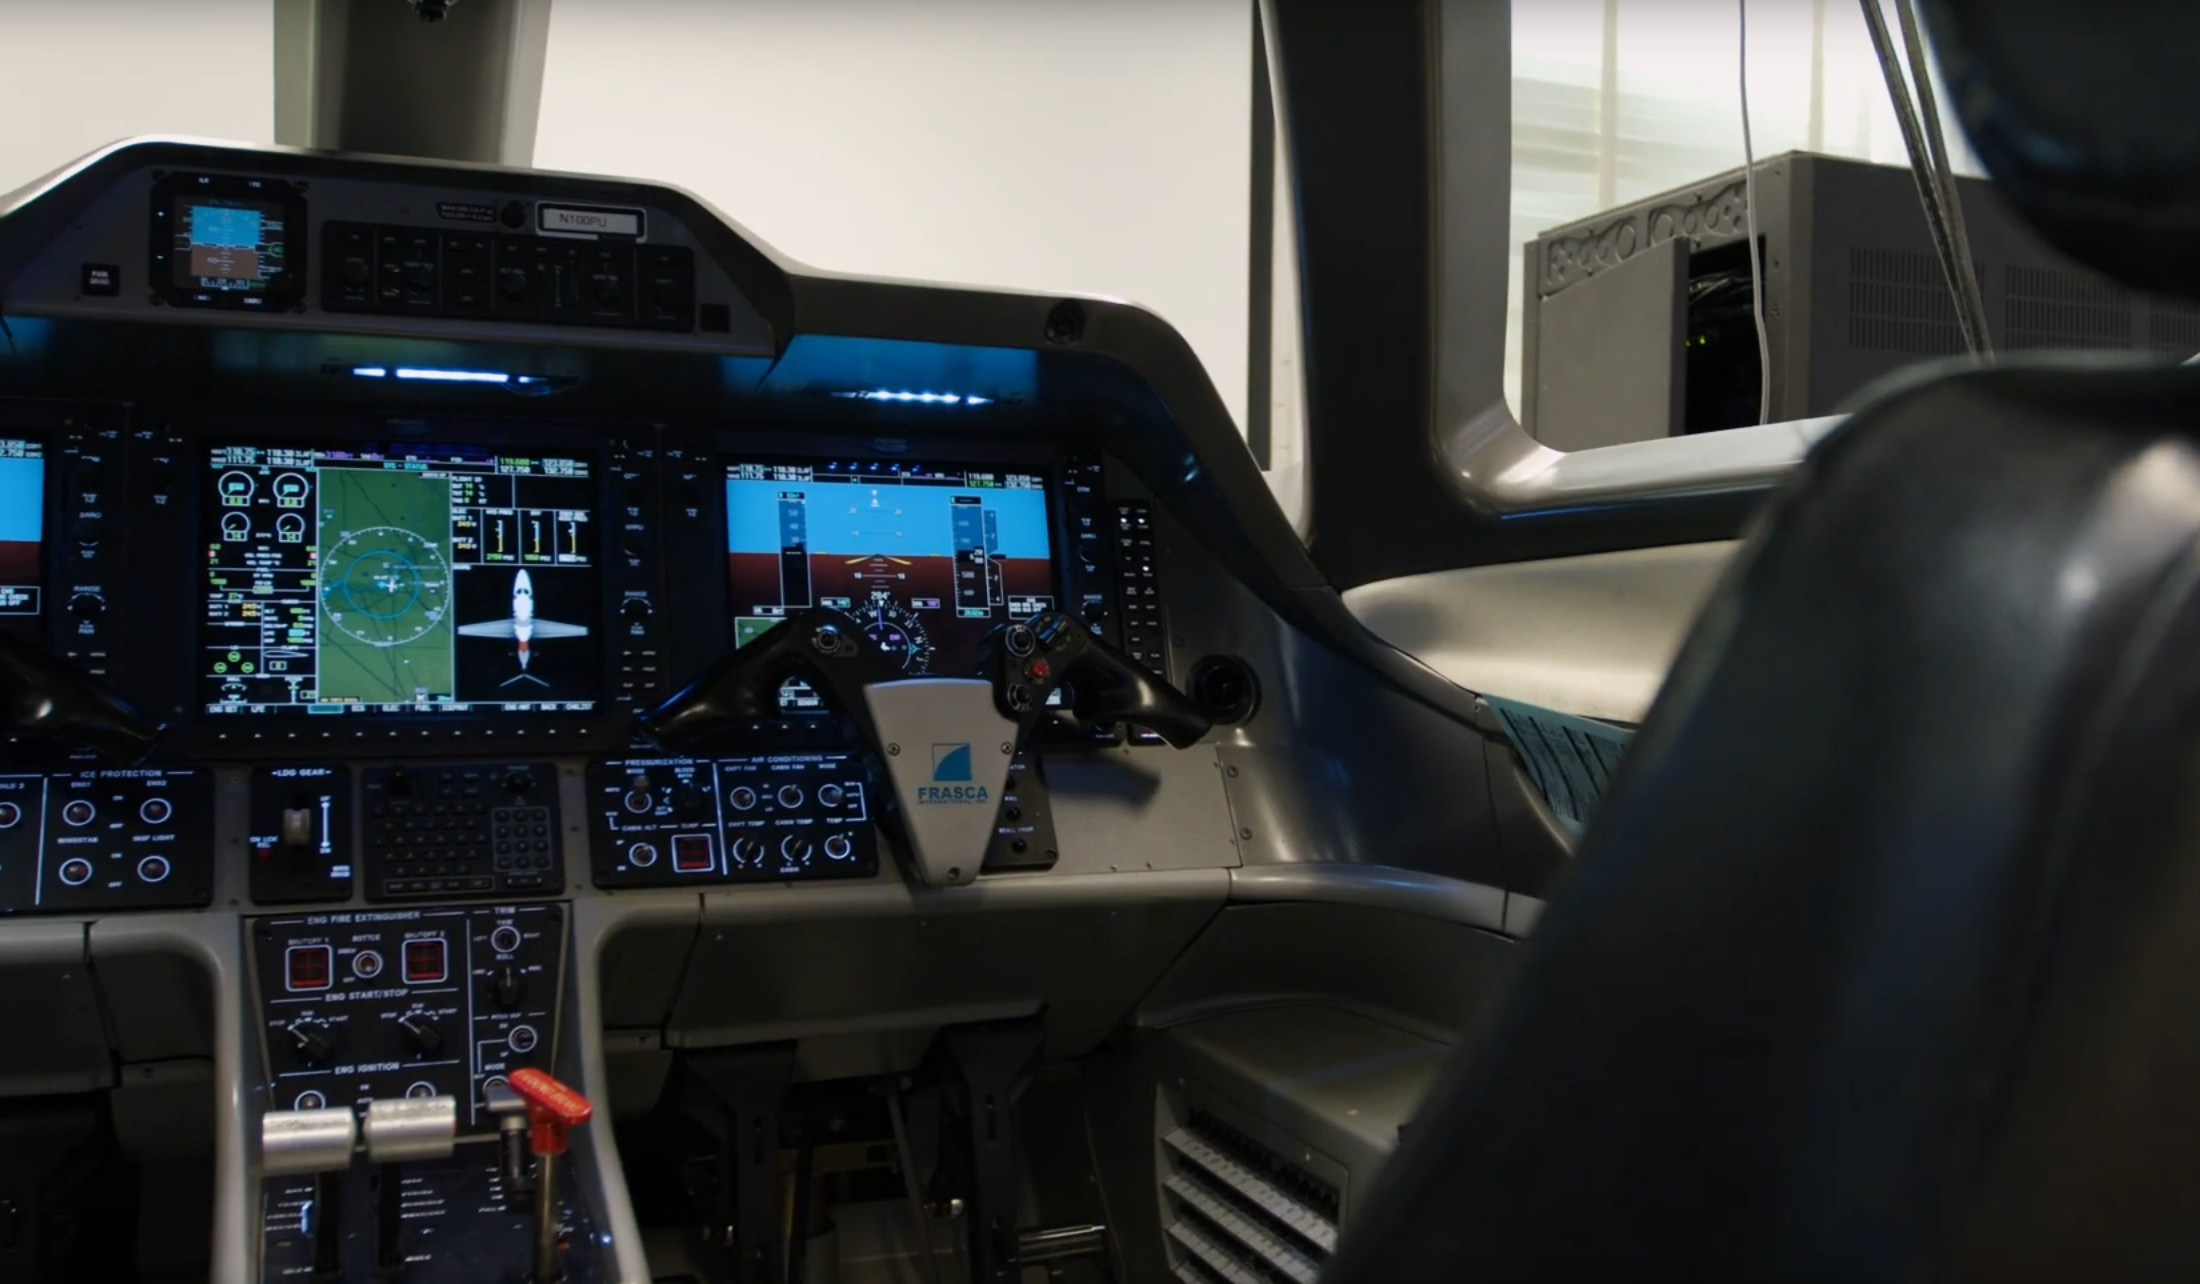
column 384, row 577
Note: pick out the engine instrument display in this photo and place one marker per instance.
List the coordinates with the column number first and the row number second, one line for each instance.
column 399, row 580
column 929, row 558
column 22, row 533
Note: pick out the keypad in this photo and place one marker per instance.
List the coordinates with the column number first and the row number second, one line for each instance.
column 444, row 831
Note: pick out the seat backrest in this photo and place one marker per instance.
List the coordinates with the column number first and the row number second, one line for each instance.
column 1882, row 958
column 1887, row 939
column 2084, row 114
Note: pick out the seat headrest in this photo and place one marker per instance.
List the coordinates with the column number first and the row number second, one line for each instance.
column 2088, row 118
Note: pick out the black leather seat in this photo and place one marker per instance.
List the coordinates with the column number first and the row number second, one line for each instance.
column 1882, row 960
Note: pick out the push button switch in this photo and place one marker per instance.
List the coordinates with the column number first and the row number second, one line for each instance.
column 309, row 968
column 427, row 961
column 693, row 854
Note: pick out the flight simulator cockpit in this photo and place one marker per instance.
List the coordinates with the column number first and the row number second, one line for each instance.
column 544, row 741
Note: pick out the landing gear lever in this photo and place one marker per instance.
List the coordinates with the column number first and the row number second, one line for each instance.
column 42, row 696
column 553, row 1110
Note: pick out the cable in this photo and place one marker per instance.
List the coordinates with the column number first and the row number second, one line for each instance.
column 1913, row 141
column 908, row 1162
column 1749, row 200
column 1944, row 178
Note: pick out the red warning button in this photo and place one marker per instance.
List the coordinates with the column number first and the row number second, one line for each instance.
column 693, row 854
column 426, row 962
column 309, row 967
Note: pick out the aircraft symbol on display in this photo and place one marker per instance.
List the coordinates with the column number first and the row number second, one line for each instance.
column 523, row 628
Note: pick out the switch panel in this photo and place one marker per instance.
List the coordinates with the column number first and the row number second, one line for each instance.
column 300, row 838
column 407, row 1002
column 72, row 842
column 606, row 281
column 1143, row 631
column 660, row 822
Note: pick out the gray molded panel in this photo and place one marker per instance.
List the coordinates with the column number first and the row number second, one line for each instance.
column 1609, row 358
column 1379, row 887
column 865, row 976
column 1422, row 974
column 164, row 1112
column 1139, row 808
column 159, row 1004
column 1337, row 1081
column 46, row 996
column 1336, row 764
column 644, row 954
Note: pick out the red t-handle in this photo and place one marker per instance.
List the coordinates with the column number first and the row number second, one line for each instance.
column 552, row 1109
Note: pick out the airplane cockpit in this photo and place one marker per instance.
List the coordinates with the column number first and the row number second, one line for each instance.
column 542, row 739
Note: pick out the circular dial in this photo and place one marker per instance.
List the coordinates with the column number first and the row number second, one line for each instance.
column 897, row 630
column 384, row 586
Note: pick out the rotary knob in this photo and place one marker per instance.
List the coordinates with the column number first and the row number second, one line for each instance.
column 507, row 986
column 421, row 1034
column 312, row 1040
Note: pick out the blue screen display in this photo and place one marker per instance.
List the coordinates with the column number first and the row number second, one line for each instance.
column 847, row 518
column 224, row 225
column 22, row 492
column 927, row 559
column 22, row 531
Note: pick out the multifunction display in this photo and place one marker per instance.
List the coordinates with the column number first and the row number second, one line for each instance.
column 929, row 558
column 399, row 580
column 22, row 533
column 229, row 243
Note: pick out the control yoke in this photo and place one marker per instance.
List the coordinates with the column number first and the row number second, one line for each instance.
column 42, row 696
column 946, row 743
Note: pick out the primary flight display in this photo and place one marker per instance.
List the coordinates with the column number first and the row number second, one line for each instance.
column 399, row 580
column 929, row 558
column 22, row 533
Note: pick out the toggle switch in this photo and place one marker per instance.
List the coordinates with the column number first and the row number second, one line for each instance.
column 298, row 827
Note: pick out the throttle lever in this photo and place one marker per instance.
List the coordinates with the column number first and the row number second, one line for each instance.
column 1027, row 662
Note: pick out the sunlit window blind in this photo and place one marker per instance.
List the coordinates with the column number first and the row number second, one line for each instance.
column 1617, row 100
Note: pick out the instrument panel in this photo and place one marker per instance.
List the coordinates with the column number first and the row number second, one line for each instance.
column 412, row 627
column 394, row 492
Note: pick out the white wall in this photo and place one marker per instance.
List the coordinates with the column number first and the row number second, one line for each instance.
column 83, row 73
column 1089, row 145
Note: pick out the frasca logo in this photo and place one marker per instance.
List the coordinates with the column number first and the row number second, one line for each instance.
column 951, row 774
column 951, row 762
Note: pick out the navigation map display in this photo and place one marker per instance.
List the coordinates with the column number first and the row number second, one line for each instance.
column 22, row 533
column 399, row 580
column 929, row 558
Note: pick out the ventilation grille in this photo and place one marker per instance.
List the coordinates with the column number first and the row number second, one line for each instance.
column 1898, row 302
column 2046, row 308
column 2173, row 327
column 1241, row 1214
